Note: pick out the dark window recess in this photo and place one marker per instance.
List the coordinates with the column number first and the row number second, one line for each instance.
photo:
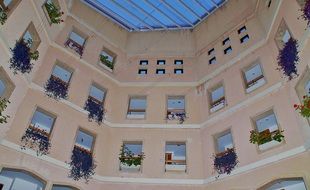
column 212, row 61
column 226, row 41
column 211, row 51
column 142, row 71
column 245, row 39
column 228, row 50
column 269, row 3
column 160, row 71
column 178, row 71
column 144, row 62
column 178, row 62
column 242, row 29
column 161, row 62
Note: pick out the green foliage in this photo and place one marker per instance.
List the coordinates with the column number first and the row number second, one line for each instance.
column 3, row 16
column 3, row 105
column 304, row 108
column 104, row 59
column 53, row 12
column 265, row 136
column 129, row 158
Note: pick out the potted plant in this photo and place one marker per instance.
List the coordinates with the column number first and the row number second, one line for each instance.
column 306, row 12
column 36, row 139
column 304, row 108
column 95, row 110
column 82, row 164
column 265, row 136
column 288, row 58
column 53, row 12
column 3, row 105
column 180, row 116
column 56, row 88
column 22, row 55
column 226, row 161
column 104, row 60
column 128, row 158
column 3, row 16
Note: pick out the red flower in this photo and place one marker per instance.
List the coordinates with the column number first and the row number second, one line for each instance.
column 295, row 106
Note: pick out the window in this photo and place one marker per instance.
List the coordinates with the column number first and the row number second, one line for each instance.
column 161, row 62
column 43, row 121
column 62, row 187
column 175, row 105
column 217, row 98
column 211, row 51
column 136, row 107
column 285, row 184
column 226, row 41
column 31, row 37
column 283, row 35
column 2, row 88
column 142, row 71
column 242, row 29
column 224, row 142
column 307, row 87
column 178, row 71
column 254, row 77
column 135, row 148
column 76, row 41
column 61, row 73
column 175, row 156
column 107, row 58
column 9, row 5
column 178, row 62
column 15, row 179
column 212, row 60
column 244, row 39
column 84, row 141
column 97, row 94
column 303, row 85
column 144, row 62
column 6, row 85
column 49, row 9
column 160, row 71
column 228, row 50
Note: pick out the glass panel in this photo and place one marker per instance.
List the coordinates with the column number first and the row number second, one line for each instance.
column 217, row 94
column 110, row 57
column 244, row 39
column 28, row 37
column 288, row 185
column 97, row 93
column 7, row 2
column 58, row 187
column 228, row 50
column 267, row 122
column 178, row 150
column 77, row 38
column 161, row 62
column 286, row 36
column 84, row 140
column 142, row 71
column 2, row 88
column 226, row 41
column 307, row 88
column 42, row 121
column 160, row 71
column 178, row 71
column 137, row 104
column 176, row 103
column 253, row 73
column 61, row 73
column 135, row 148
column 15, row 180
column 144, row 62
column 178, row 62
column 224, row 142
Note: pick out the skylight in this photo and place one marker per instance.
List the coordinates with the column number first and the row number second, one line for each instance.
column 149, row 15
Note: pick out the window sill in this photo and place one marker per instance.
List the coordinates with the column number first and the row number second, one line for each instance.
column 257, row 84
column 217, row 107
column 132, row 116
column 175, row 168
column 105, row 67
column 132, row 168
column 268, row 145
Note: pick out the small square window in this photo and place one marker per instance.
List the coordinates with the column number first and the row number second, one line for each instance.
column 211, row 51
column 136, row 107
column 217, row 98
column 84, row 140
column 107, row 58
column 212, row 60
column 283, row 35
column 42, row 120
column 144, row 62
column 175, row 156
column 178, row 62
column 254, row 77
column 161, row 62
column 97, row 93
column 244, row 39
column 226, row 41
column 160, row 71
column 178, row 71
column 142, row 71
column 224, row 142
column 228, row 50
column 242, row 29
column 62, row 73
column 77, row 38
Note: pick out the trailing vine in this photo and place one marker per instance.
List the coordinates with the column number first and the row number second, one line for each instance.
column 54, row 13
column 304, row 108
column 177, row 116
column 226, row 161
column 95, row 110
column 3, row 105
column 56, row 88
column 127, row 157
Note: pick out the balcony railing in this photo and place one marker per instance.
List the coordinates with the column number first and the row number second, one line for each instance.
column 75, row 46
column 218, row 102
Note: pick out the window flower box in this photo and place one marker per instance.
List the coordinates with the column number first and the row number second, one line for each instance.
column 3, row 16
column 82, row 164
column 95, row 109
column 128, row 160
column 255, row 83
column 226, row 161
column 56, row 88
column 304, row 108
column 22, row 56
column 53, row 12
column 288, row 58
column 104, row 60
column 177, row 115
column 75, row 46
column 219, row 104
column 260, row 138
column 3, row 106
column 36, row 139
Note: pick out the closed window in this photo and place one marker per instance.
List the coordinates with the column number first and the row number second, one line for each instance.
column 254, row 77
column 136, row 107
column 175, row 156
column 144, row 62
column 244, row 39
column 142, row 71
column 228, row 50
column 285, row 184
column 62, row 74
column 307, row 88
column 161, row 62
column 178, row 62
column 217, row 96
column 6, row 85
column 43, row 121
column 9, row 5
column 160, row 71
column 224, row 142
column 242, row 30
column 97, row 94
column 84, row 140
column 226, row 41
column 178, row 71
column 211, row 51
column 212, row 60
column 131, row 150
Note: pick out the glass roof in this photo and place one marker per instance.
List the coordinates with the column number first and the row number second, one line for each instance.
column 149, row 15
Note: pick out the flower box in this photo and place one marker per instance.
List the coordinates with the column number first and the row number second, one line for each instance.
column 56, row 88
column 95, row 109
column 268, row 145
column 3, row 105
column 126, row 168
column 265, row 138
column 178, row 115
column 226, row 161
column 219, row 104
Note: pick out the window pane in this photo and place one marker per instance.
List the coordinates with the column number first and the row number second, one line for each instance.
column 178, row 150
column 161, row 62
column 224, row 142
column 217, row 94
column 97, row 93
column 2, row 88
column 42, row 121
column 267, row 122
column 253, row 73
column 176, row 103
column 57, row 187
column 286, row 36
column 61, row 73
column 7, row 2
column 27, row 37
column 135, row 148
column 77, row 38
column 137, row 103
column 110, row 58
column 295, row 184
column 84, row 140
column 307, row 88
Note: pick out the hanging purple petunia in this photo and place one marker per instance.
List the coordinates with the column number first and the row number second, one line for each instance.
column 306, row 12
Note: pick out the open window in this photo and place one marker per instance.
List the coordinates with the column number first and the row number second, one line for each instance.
column 253, row 77
column 217, row 98
column 175, row 156
column 131, row 156
column 136, row 107
column 76, row 41
column 107, row 58
column 283, row 34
